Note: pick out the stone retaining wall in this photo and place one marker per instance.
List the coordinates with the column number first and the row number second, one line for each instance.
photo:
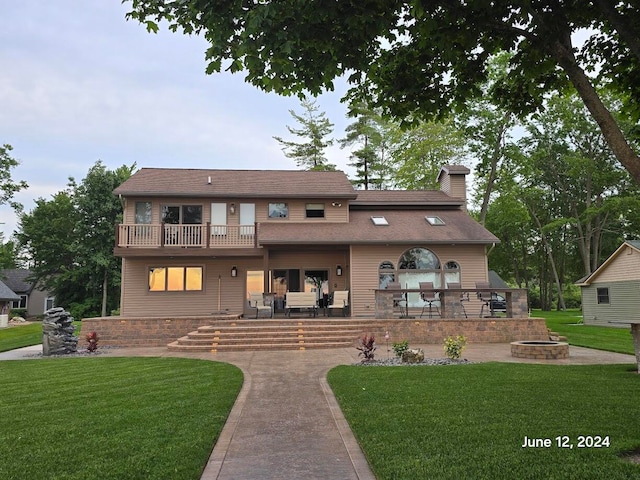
column 150, row 332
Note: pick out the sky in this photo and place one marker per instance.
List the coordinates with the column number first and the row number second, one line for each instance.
column 80, row 83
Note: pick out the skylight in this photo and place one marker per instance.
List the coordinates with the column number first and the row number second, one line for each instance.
column 434, row 220
column 379, row 221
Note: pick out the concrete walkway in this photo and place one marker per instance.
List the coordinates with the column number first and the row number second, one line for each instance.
column 286, row 423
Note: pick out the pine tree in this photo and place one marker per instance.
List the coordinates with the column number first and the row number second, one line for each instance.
column 309, row 155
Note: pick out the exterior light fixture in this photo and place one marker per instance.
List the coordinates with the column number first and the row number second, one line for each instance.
column 339, row 271
column 234, row 271
column 232, row 208
column 336, row 204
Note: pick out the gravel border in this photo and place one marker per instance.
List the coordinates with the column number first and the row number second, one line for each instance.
column 397, row 362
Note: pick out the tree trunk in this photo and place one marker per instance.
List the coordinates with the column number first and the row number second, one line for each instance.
column 495, row 157
column 554, row 270
column 105, row 285
column 563, row 53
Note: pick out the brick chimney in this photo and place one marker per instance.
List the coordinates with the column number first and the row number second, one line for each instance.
column 452, row 180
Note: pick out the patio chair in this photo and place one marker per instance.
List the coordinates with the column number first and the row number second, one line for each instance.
column 260, row 303
column 464, row 296
column 399, row 299
column 339, row 300
column 429, row 296
column 485, row 295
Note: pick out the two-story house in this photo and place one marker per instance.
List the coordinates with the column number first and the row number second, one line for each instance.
column 197, row 241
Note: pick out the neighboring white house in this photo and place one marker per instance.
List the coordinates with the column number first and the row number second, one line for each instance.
column 612, row 292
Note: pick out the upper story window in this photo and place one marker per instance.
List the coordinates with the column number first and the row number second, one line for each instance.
column 182, row 214
column 278, row 210
column 143, row 212
column 418, row 259
column 315, row 210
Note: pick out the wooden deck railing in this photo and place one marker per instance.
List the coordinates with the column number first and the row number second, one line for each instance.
column 171, row 235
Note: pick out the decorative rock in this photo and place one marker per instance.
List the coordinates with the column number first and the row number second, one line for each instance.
column 413, row 355
column 57, row 333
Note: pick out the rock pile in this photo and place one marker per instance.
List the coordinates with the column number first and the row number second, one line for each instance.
column 57, row 333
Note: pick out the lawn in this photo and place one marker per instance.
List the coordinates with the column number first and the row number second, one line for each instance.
column 20, row 336
column 27, row 335
column 112, row 418
column 603, row 338
column 470, row 421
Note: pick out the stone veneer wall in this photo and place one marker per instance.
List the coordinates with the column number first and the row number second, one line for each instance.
column 154, row 332
column 144, row 332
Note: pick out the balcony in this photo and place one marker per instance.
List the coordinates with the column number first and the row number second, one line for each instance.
column 165, row 235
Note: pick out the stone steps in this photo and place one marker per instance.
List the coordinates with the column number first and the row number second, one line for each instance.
column 272, row 335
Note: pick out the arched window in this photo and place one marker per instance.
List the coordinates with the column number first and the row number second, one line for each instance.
column 386, row 274
column 452, row 272
column 418, row 265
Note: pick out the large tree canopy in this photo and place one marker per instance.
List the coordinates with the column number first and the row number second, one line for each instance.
column 417, row 58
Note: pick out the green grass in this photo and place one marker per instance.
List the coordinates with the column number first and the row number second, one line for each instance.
column 27, row 335
column 469, row 421
column 20, row 336
column 112, row 418
column 602, row 338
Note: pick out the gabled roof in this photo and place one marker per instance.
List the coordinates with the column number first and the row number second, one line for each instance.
column 6, row 294
column 396, row 198
column 17, row 280
column 404, row 226
column 177, row 182
column 585, row 281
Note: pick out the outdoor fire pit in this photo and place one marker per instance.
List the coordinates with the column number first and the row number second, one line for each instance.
column 540, row 349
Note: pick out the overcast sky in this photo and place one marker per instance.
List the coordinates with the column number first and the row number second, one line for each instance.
column 79, row 83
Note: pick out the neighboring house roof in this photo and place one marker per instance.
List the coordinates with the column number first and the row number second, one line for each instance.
column 586, row 281
column 396, row 198
column 172, row 182
column 496, row 281
column 17, row 280
column 404, row 226
column 6, row 294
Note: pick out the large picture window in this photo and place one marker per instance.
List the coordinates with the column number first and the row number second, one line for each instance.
column 175, row 279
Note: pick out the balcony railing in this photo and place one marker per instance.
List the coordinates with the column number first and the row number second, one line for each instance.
column 171, row 235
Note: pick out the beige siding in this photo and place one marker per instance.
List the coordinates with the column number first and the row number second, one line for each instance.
column 220, row 290
column 297, row 209
column 625, row 266
column 138, row 301
column 365, row 260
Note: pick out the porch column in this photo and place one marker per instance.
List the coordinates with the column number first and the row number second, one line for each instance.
column 384, row 304
column 265, row 268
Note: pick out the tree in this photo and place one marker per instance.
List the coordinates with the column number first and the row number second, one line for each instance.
column 488, row 133
column 418, row 153
column 8, row 253
column 314, row 127
column 370, row 134
column 8, row 187
column 98, row 212
column 422, row 59
column 47, row 235
column 70, row 241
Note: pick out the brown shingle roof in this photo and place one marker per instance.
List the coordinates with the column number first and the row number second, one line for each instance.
column 404, row 197
column 175, row 182
column 405, row 226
